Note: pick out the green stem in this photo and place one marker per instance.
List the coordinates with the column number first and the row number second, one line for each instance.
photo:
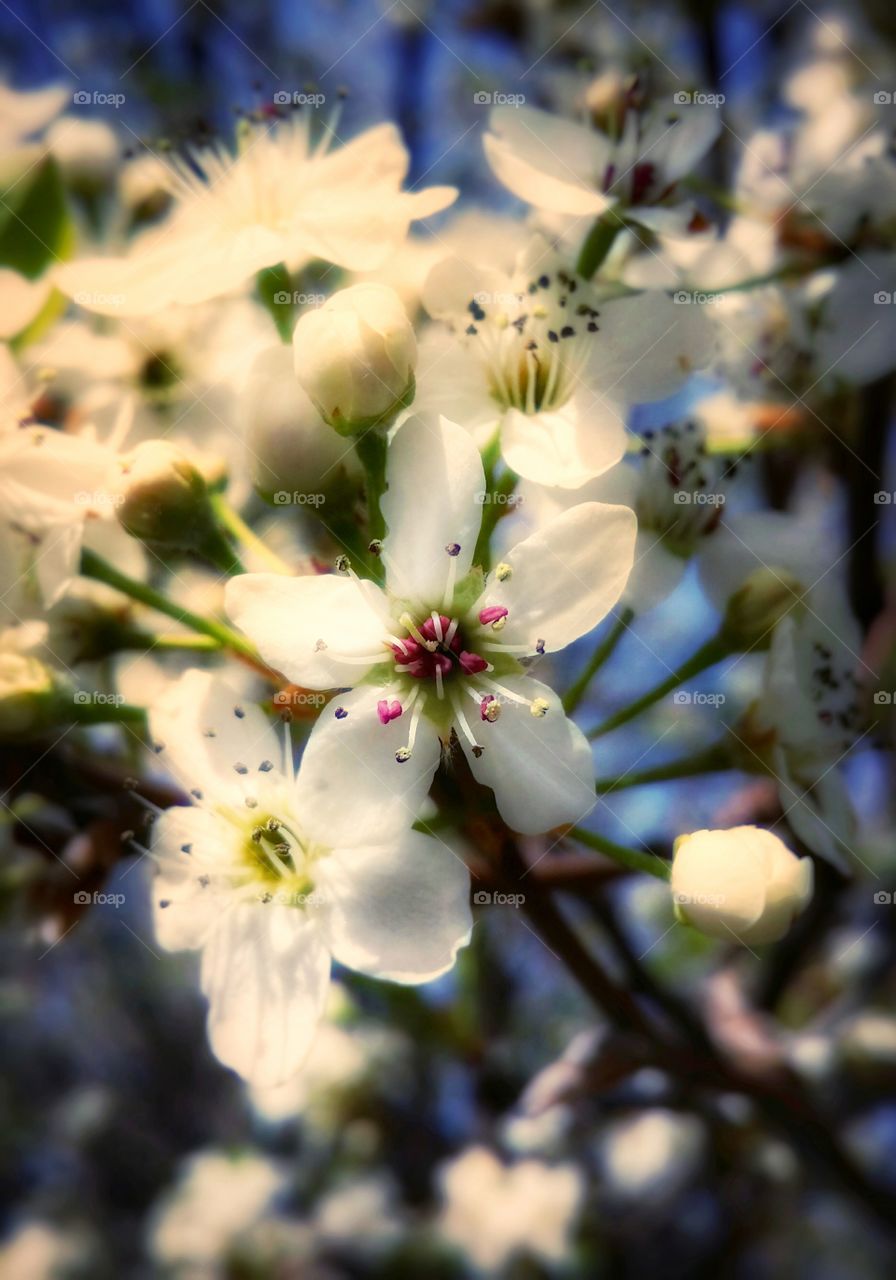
column 236, row 526
column 91, row 712
column 632, row 859
column 220, row 552
column 167, row 642
column 598, row 244
column 94, row 566
column 714, row 650
column 714, row 759
column 497, row 501
column 605, row 648
column 371, row 448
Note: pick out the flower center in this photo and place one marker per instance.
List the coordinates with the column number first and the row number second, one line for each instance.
column 434, row 649
column 681, row 493
column 275, row 862
column 533, row 344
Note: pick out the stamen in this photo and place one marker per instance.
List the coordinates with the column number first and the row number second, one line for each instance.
column 410, row 625
column 492, row 613
column 465, row 728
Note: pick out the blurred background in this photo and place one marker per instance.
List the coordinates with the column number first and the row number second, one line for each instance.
column 491, row 1124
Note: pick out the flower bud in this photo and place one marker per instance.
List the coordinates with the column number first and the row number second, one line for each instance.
column 756, row 608
column 743, row 883
column 163, row 498
column 355, row 356
column 33, row 697
column 291, row 449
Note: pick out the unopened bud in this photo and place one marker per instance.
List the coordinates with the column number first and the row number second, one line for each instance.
column 741, row 884
column 164, row 499
column 355, row 356
column 756, row 608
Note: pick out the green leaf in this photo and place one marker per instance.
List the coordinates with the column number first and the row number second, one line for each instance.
column 36, row 228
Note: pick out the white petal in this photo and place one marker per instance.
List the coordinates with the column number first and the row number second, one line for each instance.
column 566, row 576
column 181, row 267
column 549, row 162
column 539, row 767
column 434, row 501
column 399, row 911
column 690, row 139
column 651, row 344
column 350, row 785
column 315, row 629
column 186, row 900
column 765, row 539
column 567, row 447
column 655, row 574
column 266, row 973
column 355, row 213
column 212, row 739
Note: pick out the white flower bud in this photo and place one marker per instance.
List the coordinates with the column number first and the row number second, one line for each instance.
column 291, row 448
column 163, row 498
column 743, row 883
column 355, row 356
column 756, row 608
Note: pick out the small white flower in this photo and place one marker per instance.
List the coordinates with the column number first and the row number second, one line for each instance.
column 51, row 483
column 807, row 717
column 539, row 355
column 216, row 1198
column 282, row 198
column 564, row 167
column 742, row 884
column 440, row 649
column 495, row 1212
column 272, row 873
column 355, row 355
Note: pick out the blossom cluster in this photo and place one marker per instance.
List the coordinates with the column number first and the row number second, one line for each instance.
column 301, row 506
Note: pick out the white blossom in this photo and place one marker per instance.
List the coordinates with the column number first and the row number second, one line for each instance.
column 270, row 873
column 440, row 647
